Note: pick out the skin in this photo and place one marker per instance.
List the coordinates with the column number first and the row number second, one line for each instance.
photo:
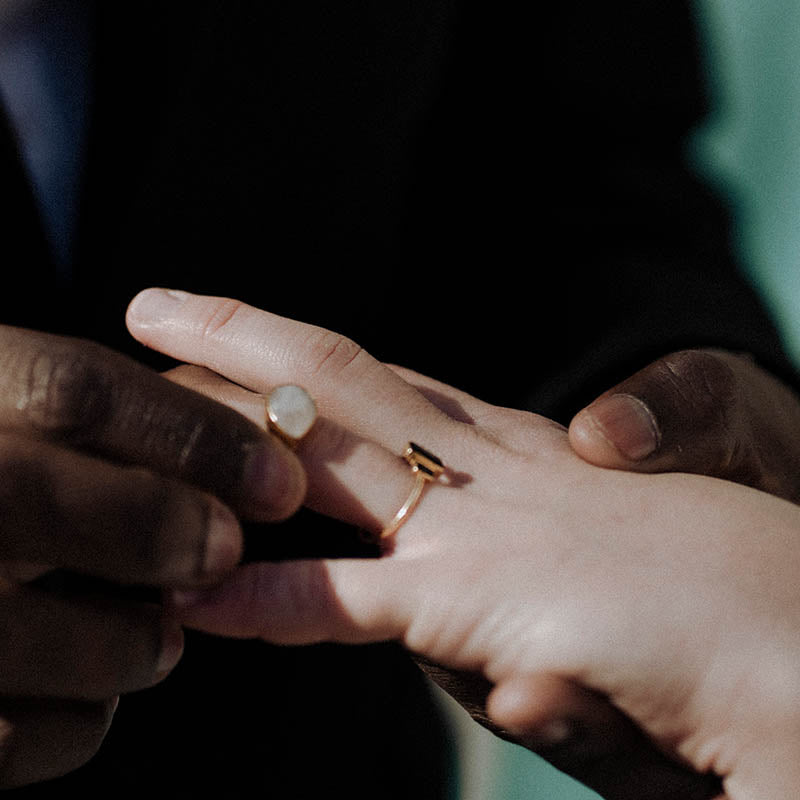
column 106, row 482
column 702, row 411
column 641, row 630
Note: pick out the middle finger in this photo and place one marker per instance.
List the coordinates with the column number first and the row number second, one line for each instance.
column 351, row 478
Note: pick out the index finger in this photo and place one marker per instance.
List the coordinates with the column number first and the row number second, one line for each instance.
column 259, row 350
column 82, row 395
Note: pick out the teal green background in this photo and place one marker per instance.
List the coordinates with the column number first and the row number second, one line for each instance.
column 750, row 149
column 751, row 146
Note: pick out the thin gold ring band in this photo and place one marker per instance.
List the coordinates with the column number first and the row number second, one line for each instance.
column 427, row 468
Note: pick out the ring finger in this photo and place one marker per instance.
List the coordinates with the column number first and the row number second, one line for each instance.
column 350, row 477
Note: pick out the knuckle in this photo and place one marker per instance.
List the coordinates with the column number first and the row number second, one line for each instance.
column 705, row 395
column 63, row 391
column 192, row 441
column 224, row 312
column 704, row 369
column 330, row 354
column 206, row 450
column 704, row 382
column 192, row 445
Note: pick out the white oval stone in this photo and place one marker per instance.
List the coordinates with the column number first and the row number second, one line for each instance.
column 291, row 410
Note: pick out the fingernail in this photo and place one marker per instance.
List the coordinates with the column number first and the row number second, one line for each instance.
column 627, row 423
column 223, row 541
column 171, row 649
column 154, row 305
column 274, row 481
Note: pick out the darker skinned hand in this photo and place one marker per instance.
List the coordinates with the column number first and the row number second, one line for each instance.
column 109, row 472
column 706, row 412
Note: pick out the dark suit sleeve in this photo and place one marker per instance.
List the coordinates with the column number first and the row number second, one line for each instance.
column 513, row 177
column 649, row 246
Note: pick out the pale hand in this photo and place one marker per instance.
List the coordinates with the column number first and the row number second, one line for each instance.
column 586, row 596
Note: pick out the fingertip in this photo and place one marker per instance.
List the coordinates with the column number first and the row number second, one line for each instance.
column 520, row 705
column 590, row 442
column 275, row 482
column 151, row 307
column 224, row 543
column 615, row 431
column 172, row 644
column 545, row 711
column 503, row 706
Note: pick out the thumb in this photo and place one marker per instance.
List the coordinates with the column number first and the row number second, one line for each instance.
column 681, row 413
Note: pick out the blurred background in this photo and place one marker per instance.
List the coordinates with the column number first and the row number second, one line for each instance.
column 750, row 150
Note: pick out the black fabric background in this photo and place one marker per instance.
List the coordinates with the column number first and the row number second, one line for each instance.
column 509, row 175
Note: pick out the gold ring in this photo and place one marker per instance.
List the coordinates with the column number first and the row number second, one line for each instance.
column 291, row 413
column 427, row 468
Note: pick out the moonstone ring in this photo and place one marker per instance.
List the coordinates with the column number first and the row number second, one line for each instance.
column 427, row 468
column 291, row 413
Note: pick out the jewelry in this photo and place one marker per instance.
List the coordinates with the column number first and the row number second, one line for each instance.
column 427, row 468
column 291, row 413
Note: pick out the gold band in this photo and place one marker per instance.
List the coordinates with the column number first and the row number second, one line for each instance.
column 426, row 468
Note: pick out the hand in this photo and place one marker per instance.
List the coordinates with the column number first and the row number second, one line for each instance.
column 656, row 616
column 702, row 411
column 112, row 473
